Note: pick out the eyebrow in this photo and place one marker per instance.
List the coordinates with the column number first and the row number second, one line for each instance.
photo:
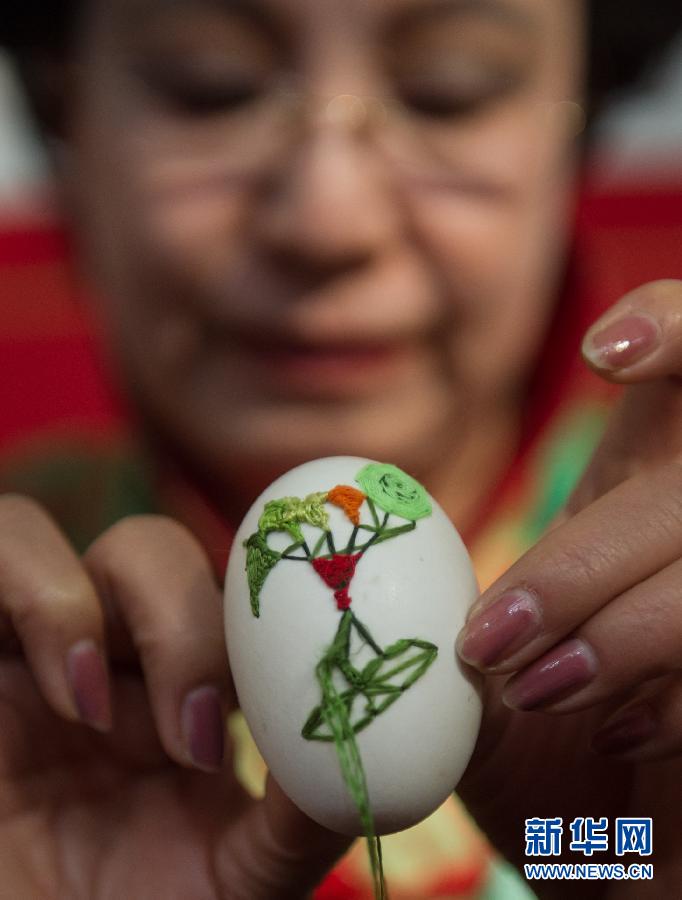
column 505, row 12
column 502, row 11
column 250, row 10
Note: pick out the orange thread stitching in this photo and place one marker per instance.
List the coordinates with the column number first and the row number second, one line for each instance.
column 349, row 499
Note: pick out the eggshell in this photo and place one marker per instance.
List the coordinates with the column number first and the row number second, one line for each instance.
column 416, row 585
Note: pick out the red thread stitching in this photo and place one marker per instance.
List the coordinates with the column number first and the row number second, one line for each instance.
column 337, row 572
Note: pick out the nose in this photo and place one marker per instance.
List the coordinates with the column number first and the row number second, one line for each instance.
column 329, row 207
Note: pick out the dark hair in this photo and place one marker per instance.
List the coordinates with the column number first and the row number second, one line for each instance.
column 626, row 40
column 625, row 37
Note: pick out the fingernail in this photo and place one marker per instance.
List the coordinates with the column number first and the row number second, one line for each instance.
column 89, row 682
column 623, row 342
column 555, row 676
column 498, row 630
column 203, row 727
column 627, row 730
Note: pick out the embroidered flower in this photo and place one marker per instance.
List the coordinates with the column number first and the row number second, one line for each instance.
column 288, row 513
column 280, row 515
column 394, row 491
column 337, row 572
column 260, row 560
column 311, row 510
column 350, row 500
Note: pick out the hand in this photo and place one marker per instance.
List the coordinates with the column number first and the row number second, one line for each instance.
column 137, row 803
column 585, row 629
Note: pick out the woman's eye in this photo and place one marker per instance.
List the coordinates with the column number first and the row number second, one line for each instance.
column 192, row 94
column 449, row 94
column 443, row 102
column 206, row 99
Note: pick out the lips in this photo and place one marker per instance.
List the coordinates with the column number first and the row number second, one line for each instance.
column 329, row 370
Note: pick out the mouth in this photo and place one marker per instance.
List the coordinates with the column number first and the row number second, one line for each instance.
column 326, row 371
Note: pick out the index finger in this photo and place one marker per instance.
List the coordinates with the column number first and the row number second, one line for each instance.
column 50, row 604
column 575, row 570
column 155, row 576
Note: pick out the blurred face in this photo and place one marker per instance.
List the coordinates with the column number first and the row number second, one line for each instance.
column 325, row 226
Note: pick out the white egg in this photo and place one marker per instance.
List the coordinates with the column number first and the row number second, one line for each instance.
column 415, row 585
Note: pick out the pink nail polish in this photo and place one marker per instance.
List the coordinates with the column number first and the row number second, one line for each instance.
column 89, row 681
column 623, row 342
column 556, row 675
column 627, row 730
column 203, row 727
column 498, row 630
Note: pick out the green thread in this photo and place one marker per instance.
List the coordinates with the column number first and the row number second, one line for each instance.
column 335, row 714
column 321, row 541
column 288, row 513
column 372, row 511
column 394, row 491
column 336, row 710
column 288, row 552
column 350, row 546
column 312, row 511
column 384, row 534
column 279, row 515
column 373, row 682
column 260, row 560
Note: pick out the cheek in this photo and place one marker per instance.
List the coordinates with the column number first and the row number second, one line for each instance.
column 167, row 223
column 500, row 260
column 191, row 221
column 153, row 234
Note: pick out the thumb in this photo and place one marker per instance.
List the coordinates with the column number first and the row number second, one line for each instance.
column 273, row 851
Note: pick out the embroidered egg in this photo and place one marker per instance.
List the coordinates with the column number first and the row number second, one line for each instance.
column 345, row 590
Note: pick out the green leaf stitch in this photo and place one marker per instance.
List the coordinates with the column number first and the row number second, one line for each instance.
column 260, row 560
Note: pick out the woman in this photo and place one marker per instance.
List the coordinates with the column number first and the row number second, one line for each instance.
column 316, row 228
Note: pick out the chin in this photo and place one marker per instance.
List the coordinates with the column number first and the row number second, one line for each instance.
column 261, row 447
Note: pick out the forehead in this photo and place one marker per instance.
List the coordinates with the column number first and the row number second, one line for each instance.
column 513, row 13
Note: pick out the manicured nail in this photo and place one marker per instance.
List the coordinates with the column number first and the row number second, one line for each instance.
column 500, row 629
column 555, row 676
column 87, row 675
column 203, row 727
column 627, row 730
column 623, row 342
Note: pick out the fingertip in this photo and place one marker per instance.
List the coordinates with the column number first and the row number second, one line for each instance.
column 160, row 583
column 617, row 343
column 202, row 720
column 89, row 684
